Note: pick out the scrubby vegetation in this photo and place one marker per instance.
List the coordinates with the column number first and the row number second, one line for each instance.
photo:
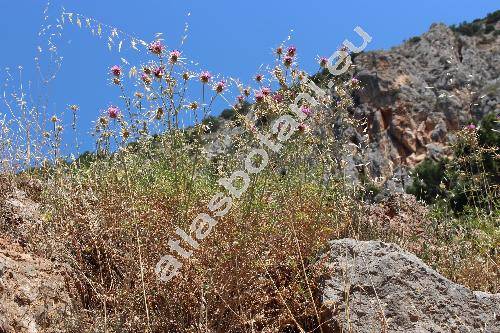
column 463, row 192
column 110, row 213
column 478, row 26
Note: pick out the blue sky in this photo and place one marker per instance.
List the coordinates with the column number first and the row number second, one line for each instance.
column 229, row 37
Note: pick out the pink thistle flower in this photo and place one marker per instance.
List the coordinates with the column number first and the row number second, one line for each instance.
column 113, row 112
column 354, row 80
column 287, row 61
column 156, row 47
column 220, row 86
column 471, row 127
column 259, row 96
column 205, row 77
column 259, row 77
column 266, row 91
column 116, row 70
column 278, row 98
column 323, row 62
column 307, row 111
column 240, row 98
column 279, row 50
column 174, row 56
column 158, row 72
column 291, row 51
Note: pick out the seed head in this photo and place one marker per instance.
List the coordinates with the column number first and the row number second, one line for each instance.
column 159, row 113
column 146, row 79
column 193, row 105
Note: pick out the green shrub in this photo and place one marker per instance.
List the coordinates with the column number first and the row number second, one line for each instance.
column 427, row 179
column 228, row 114
column 470, row 178
column 414, row 40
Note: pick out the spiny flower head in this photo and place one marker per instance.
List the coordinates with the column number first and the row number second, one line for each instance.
column 193, row 105
column 279, row 50
column 323, row 62
column 116, row 70
column 266, row 91
column 174, row 56
column 259, row 77
column 471, row 127
column 291, row 51
column 288, row 60
column 158, row 72
column 240, row 98
column 186, row 76
column 113, row 112
column 259, row 96
column 219, row 87
column 278, row 97
column 156, row 47
column 205, row 77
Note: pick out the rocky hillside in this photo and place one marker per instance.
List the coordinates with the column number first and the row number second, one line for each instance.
column 418, row 93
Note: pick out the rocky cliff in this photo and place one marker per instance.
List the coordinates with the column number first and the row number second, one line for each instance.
column 416, row 94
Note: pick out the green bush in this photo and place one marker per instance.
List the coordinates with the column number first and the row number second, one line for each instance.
column 228, row 114
column 470, row 178
column 414, row 40
column 427, row 179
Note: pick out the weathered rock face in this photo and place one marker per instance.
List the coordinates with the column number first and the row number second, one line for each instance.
column 377, row 287
column 416, row 94
column 34, row 295
column 34, row 292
